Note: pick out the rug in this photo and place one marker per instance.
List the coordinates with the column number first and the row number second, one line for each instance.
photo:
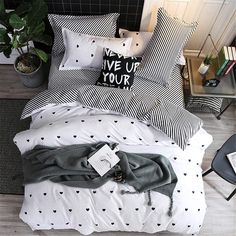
column 11, row 175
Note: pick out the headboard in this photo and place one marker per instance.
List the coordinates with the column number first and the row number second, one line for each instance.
column 130, row 10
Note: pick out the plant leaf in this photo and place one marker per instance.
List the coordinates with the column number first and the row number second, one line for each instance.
column 41, row 54
column 2, row 7
column 3, row 33
column 7, row 52
column 38, row 12
column 23, row 37
column 3, row 47
column 15, row 43
column 37, row 30
column 23, row 8
column 4, row 38
column 16, row 22
column 45, row 39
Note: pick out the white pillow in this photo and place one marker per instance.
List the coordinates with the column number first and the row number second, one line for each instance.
column 140, row 42
column 84, row 51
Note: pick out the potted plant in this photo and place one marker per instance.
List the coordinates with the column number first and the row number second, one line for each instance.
column 203, row 68
column 19, row 28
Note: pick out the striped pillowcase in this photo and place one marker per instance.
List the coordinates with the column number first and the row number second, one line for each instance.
column 98, row 25
column 162, row 52
column 204, row 104
column 177, row 123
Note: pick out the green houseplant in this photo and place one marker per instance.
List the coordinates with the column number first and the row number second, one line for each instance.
column 203, row 68
column 208, row 60
column 18, row 28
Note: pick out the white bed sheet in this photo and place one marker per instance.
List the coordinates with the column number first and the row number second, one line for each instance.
column 49, row 205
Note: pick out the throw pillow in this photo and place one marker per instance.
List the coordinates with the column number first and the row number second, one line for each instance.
column 118, row 70
column 140, row 42
column 169, row 37
column 100, row 25
column 84, row 51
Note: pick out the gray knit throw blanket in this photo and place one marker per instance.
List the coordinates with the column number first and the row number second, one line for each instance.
column 69, row 165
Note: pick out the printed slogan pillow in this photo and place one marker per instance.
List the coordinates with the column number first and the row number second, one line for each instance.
column 118, row 70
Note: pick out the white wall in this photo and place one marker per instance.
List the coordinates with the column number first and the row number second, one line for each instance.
column 222, row 27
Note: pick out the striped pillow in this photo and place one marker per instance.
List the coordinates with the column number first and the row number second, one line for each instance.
column 99, row 25
column 169, row 37
column 204, row 104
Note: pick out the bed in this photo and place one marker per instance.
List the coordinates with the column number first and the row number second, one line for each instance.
column 147, row 118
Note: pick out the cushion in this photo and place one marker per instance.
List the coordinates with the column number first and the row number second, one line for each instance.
column 204, row 104
column 83, row 51
column 118, row 70
column 140, row 42
column 99, row 25
column 169, row 38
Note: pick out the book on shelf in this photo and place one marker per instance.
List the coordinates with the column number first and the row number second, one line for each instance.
column 232, row 160
column 222, row 59
column 225, row 61
column 232, row 63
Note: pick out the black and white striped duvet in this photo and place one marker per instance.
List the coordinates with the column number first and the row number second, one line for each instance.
column 175, row 122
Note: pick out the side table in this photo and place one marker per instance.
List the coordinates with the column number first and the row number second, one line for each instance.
column 226, row 89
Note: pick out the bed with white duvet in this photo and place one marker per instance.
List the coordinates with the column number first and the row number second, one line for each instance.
column 56, row 123
column 146, row 117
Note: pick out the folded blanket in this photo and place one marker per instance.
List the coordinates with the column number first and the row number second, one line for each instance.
column 69, row 165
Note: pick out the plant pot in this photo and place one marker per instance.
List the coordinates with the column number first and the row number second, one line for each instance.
column 203, row 68
column 33, row 79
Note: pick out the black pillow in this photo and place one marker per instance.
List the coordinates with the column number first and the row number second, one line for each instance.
column 118, row 70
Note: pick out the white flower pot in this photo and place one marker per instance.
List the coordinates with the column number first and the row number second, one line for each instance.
column 203, row 68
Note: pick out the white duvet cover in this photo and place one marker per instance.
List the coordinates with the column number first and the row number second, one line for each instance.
column 49, row 205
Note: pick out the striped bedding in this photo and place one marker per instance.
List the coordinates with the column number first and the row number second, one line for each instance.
column 71, row 78
column 176, row 122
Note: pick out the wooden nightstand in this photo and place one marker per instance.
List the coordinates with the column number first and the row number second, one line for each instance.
column 210, row 95
column 11, row 86
column 225, row 89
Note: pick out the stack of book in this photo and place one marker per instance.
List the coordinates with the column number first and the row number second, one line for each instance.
column 225, row 61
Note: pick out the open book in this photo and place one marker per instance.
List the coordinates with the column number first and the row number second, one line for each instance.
column 232, row 159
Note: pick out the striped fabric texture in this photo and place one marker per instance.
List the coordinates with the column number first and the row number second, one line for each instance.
column 162, row 52
column 173, row 93
column 71, row 78
column 175, row 122
column 204, row 104
column 98, row 25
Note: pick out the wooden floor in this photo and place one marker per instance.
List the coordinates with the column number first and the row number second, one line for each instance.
column 221, row 215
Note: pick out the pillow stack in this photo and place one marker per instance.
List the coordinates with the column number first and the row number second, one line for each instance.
column 98, row 25
column 88, row 43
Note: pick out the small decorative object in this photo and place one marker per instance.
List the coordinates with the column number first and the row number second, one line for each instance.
column 210, row 82
column 25, row 24
column 203, row 68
